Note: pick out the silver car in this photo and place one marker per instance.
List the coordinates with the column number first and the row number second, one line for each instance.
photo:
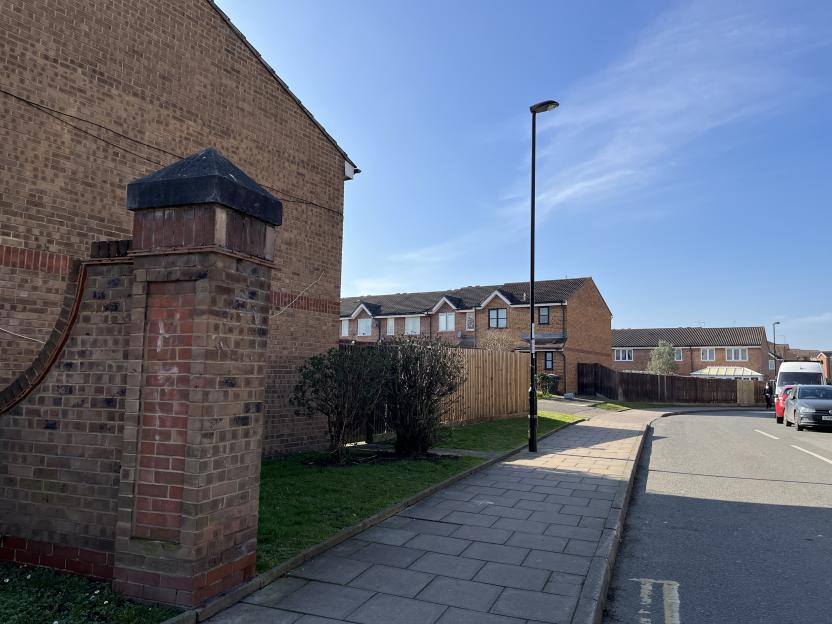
column 808, row 406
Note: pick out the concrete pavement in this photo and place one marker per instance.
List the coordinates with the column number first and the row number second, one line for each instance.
column 521, row 542
column 731, row 521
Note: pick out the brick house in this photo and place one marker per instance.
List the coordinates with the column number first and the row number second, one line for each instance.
column 825, row 359
column 697, row 348
column 97, row 94
column 572, row 320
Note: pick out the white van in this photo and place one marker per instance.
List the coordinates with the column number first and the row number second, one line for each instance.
column 799, row 373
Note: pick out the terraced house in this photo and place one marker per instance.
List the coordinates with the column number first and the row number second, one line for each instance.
column 727, row 352
column 573, row 322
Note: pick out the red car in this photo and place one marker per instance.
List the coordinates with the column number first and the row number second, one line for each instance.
column 780, row 403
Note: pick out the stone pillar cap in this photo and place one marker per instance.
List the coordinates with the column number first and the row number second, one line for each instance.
column 206, row 177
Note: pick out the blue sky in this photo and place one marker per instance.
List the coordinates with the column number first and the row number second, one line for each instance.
column 687, row 170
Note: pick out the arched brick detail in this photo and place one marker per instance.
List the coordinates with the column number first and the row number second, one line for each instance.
column 29, row 379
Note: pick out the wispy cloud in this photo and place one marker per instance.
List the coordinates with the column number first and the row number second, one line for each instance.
column 696, row 68
column 815, row 319
column 700, row 67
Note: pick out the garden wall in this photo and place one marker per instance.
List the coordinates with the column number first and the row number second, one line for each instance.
column 130, row 449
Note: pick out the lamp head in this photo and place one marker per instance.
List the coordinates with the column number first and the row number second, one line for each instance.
column 542, row 107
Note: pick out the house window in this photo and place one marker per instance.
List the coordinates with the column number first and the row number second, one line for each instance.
column 677, row 355
column 771, row 364
column 623, row 355
column 708, row 354
column 469, row 321
column 365, row 327
column 391, row 326
column 548, row 360
column 412, row 325
column 543, row 315
column 447, row 322
column 736, row 354
column 345, row 327
column 497, row 318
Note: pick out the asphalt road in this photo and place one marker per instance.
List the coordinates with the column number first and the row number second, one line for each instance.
column 727, row 525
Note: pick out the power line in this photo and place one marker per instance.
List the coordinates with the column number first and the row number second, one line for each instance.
column 54, row 113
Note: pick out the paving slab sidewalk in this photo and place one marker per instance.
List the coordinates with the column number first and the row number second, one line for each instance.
column 524, row 541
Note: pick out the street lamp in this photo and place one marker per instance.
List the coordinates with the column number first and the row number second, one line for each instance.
column 774, row 340
column 540, row 107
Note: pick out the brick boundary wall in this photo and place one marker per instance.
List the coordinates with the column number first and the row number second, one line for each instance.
column 34, row 260
column 136, row 453
column 91, row 563
column 33, row 375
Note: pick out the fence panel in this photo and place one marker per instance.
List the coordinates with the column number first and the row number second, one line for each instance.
column 595, row 379
column 496, row 386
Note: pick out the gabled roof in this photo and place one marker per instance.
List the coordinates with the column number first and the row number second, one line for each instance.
column 281, row 83
column 690, row 336
column 516, row 293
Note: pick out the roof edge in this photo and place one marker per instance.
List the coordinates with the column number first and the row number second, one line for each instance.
column 279, row 80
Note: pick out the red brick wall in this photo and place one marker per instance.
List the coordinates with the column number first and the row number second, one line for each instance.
column 165, row 401
column 174, row 76
column 589, row 332
column 757, row 360
column 61, row 448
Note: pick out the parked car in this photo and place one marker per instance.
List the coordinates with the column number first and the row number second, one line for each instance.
column 794, row 373
column 809, row 406
column 780, row 403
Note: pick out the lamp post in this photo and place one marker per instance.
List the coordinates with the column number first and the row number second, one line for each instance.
column 540, row 107
column 774, row 340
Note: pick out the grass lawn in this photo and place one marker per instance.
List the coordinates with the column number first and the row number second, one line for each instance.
column 303, row 503
column 31, row 595
column 501, row 435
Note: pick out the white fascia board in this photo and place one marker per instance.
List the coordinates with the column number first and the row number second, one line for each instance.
column 439, row 305
column 358, row 309
column 698, row 347
column 381, row 316
column 496, row 293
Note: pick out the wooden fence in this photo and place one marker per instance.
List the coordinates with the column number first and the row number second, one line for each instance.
column 595, row 379
column 496, row 386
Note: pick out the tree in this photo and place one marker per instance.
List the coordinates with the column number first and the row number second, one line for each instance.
column 345, row 385
column 422, row 373
column 495, row 340
column 662, row 359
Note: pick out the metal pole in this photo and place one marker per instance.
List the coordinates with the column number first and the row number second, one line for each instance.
column 532, row 366
column 774, row 339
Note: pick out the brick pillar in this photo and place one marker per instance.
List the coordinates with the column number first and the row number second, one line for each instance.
column 203, row 245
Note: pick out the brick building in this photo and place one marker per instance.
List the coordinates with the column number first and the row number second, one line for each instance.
column 697, row 348
column 96, row 94
column 825, row 359
column 572, row 320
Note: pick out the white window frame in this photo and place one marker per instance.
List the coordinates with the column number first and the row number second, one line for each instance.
column 345, row 328
column 678, row 356
column 707, row 354
column 771, row 364
column 447, row 321
column 367, row 325
column 736, row 354
column 624, row 355
column 391, row 326
column 540, row 315
column 408, row 325
column 548, row 360
column 470, row 321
